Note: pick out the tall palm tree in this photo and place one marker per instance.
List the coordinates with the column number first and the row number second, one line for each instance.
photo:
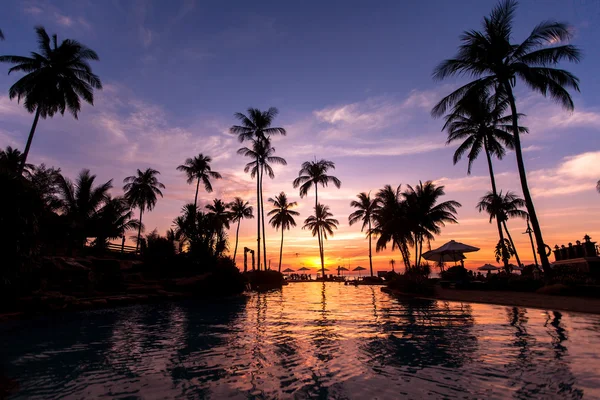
column 426, row 216
column 239, row 210
column 391, row 222
column 256, row 126
column 496, row 62
column 56, row 79
column 282, row 216
column 315, row 173
column 392, row 263
column 80, row 202
column 479, row 123
column 502, row 207
column 321, row 224
column 365, row 213
column 198, row 169
column 263, row 155
column 141, row 191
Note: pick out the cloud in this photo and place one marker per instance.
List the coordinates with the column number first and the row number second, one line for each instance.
column 54, row 14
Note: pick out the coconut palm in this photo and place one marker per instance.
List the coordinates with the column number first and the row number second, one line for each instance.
column 256, row 126
column 392, row 263
column 56, row 79
column 502, row 207
column 198, row 169
column 390, row 222
column 262, row 154
column 80, row 202
column 239, row 210
column 11, row 161
column 315, row 173
column 478, row 122
column 282, row 216
column 141, row 191
column 425, row 215
column 321, row 224
column 496, row 62
column 114, row 219
column 365, row 213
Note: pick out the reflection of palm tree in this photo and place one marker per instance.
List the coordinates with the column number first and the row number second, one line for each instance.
column 496, row 63
column 478, row 121
column 57, row 78
column 282, row 216
column 141, row 191
column 366, row 207
column 502, row 207
column 240, row 209
column 321, row 224
column 198, row 169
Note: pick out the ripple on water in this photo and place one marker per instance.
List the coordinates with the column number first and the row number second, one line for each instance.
column 305, row 341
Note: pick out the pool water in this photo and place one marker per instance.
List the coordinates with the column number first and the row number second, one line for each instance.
column 308, row 340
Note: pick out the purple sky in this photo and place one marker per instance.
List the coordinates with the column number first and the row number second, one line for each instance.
column 352, row 81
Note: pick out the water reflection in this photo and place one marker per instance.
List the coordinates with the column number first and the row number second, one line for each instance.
column 309, row 340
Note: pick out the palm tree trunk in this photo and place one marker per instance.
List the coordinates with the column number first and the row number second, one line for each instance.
column 281, row 249
column 30, row 139
column 123, row 243
column 512, row 243
column 319, row 232
column 137, row 243
column 495, row 193
column 196, row 197
column 370, row 254
column 258, row 217
column 541, row 247
column 237, row 234
column 416, row 249
column 264, row 232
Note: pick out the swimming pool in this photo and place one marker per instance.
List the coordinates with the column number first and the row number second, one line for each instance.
column 308, row 340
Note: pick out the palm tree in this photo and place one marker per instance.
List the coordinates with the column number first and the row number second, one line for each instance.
column 256, row 126
column 391, row 222
column 479, row 123
column 114, row 219
column 315, row 173
column 141, row 191
column 365, row 213
column 240, row 209
column 219, row 216
column 496, row 63
column 282, row 216
column 426, row 216
column 198, row 169
column 502, row 207
column 392, row 263
column 262, row 154
column 80, row 202
column 57, row 78
column 11, row 161
column 320, row 225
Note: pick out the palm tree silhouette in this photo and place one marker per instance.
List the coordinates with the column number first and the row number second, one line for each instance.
column 240, row 209
column 198, row 169
column 496, row 63
column 479, row 123
column 391, row 222
column 282, row 216
column 256, row 126
column 262, row 154
column 57, row 78
column 320, row 225
column 11, row 161
column 502, row 207
column 80, row 202
column 115, row 219
column 315, row 173
column 392, row 263
column 141, row 191
column 365, row 213
column 426, row 216
column 220, row 217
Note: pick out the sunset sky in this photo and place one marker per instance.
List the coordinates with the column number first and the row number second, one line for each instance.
column 352, row 81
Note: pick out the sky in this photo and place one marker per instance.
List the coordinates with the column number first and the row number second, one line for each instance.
column 352, row 81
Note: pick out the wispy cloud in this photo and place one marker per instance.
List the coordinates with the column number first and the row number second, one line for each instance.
column 52, row 13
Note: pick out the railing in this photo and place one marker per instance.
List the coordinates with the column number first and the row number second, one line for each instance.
column 118, row 248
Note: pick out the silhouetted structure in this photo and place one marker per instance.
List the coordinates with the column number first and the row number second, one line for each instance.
column 581, row 256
